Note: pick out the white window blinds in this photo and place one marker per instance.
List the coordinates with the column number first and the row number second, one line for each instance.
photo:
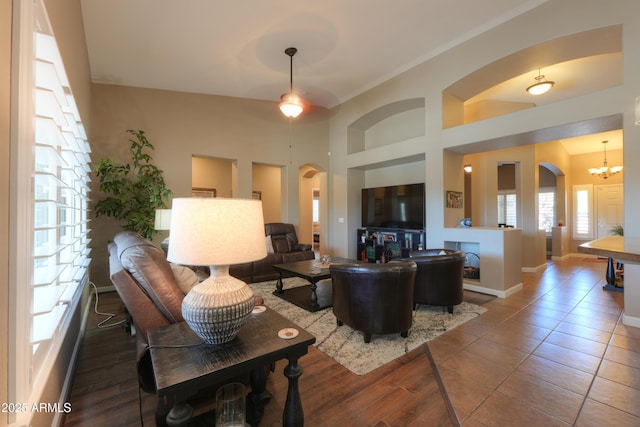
column 60, row 199
column 583, row 212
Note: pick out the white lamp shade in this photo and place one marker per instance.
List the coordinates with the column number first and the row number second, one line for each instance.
column 216, row 231
column 163, row 219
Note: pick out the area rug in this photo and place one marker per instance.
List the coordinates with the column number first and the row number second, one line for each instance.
column 346, row 345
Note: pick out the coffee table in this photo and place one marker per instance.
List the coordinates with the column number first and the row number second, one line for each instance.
column 317, row 294
column 182, row 364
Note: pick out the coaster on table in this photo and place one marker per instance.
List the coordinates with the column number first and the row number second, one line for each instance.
column 288, row 333
column 258, row 309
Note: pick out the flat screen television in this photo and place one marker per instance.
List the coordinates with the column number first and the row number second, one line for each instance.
column 396, row 206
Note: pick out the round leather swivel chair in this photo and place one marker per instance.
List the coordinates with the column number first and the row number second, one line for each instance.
column 374, row 298
column 439, row 277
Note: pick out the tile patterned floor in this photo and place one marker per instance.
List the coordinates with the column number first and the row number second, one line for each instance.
column 555, row 354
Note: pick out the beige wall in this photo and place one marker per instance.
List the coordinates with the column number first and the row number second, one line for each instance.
column 207, row 172
column 182, row 125
column 267, row 180
column 5, row 80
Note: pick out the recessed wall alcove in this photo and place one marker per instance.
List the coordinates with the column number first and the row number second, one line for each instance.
column 579, row 64
column 391, row 123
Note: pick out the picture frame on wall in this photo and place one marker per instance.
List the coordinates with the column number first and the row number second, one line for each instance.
column 256, row 195
column 203, row 192
column 454, row 199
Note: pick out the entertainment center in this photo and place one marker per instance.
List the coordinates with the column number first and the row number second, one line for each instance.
column 392, row 222
column 385, row 244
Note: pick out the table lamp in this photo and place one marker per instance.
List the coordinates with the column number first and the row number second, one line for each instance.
column 217, row 232
column 162, row 223
column 163, row 220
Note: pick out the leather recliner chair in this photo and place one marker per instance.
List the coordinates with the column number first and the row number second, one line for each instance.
column 283, row 248
column 439, row 280
column 374, row 298
column 145, row 282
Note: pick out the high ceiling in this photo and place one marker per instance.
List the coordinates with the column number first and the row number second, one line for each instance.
column 236, row 48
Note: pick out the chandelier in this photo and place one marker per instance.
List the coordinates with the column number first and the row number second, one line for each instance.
column 290, row 103
column 540, row 86
column 605, row 171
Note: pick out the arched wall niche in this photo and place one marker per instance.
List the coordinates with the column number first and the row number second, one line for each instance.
column 552, row 168
column 397, row 121
column 581, row 63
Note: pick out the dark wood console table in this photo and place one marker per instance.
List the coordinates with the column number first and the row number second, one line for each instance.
column 181, row 364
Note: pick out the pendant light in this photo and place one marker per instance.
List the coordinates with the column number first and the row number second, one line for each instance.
column 290, row 103
column 541, row 86
column 605, row 171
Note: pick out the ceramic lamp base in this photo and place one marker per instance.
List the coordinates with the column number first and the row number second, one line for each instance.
column 216, row 308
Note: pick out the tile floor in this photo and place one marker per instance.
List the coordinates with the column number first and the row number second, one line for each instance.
column 555, row 354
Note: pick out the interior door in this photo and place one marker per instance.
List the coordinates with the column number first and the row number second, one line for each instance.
column 610, row 208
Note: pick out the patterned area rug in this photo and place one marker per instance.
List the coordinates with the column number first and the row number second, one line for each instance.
column 347, row 346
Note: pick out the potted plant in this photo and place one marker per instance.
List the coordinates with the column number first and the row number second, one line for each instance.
column 618, row 230
column 133, row 191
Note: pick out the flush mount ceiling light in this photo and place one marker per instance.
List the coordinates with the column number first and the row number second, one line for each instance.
column 604, row 171
column 290, row 104
column 541, row 86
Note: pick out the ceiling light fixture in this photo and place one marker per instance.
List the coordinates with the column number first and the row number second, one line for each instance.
column 541, row 86
column 290, row 103
column 604, row 171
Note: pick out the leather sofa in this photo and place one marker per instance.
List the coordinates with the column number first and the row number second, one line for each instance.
column 282, row 247
column 439, row 280
column 374, row 298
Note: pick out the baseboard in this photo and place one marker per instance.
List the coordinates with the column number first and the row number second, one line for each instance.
column 560, row 258
column 495, row 292
column 65, row 393
column 581, row 255
column 534, row 269
column 631, row 321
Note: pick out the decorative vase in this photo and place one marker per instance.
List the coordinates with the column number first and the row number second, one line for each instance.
column 216, row 308
column 465, row 222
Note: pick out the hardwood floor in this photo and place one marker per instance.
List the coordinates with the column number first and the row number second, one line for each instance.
column 554, row 354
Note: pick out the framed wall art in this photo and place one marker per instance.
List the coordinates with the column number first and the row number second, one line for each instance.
column 203, row 192
column 454, row 199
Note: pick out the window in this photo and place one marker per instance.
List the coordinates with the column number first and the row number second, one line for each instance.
column 583, row 212
column 507, row 208
column 49, row 205
column 546, row 209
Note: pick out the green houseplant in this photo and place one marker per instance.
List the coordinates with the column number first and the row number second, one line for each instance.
column 133, row 191
column 618, row 230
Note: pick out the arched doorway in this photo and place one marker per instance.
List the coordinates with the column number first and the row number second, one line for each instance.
column 312, row 197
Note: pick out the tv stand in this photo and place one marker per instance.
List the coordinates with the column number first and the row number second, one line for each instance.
column 376, row 244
